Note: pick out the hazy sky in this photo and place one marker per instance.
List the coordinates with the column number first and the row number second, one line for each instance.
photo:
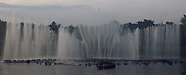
column 91, row 12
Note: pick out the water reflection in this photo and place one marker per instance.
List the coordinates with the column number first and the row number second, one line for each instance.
column 183, row 66
column 130, row 69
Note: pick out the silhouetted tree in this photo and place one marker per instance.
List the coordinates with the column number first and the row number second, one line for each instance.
column 145, row 23
column 169, row 23
column 54, row 27
column 2, row 36
column 183, row 19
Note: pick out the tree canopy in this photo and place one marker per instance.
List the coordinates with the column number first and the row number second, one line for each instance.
column 183, row 19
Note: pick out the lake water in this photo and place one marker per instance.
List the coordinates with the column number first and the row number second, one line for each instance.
column 130, row 69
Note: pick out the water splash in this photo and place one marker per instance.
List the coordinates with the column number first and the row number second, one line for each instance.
column 98, row 42
column 111, row 40
column 115, row 41
column 29, row 41
column 160, row 42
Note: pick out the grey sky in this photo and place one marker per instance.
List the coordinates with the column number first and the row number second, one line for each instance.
column 92, row 12
column 42, row 7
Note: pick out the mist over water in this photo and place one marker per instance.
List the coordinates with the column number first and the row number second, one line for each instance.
column 110, row 40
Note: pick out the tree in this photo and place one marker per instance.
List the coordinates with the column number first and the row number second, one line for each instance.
column 169, row 23
column 54, row 27
column 183, row 19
